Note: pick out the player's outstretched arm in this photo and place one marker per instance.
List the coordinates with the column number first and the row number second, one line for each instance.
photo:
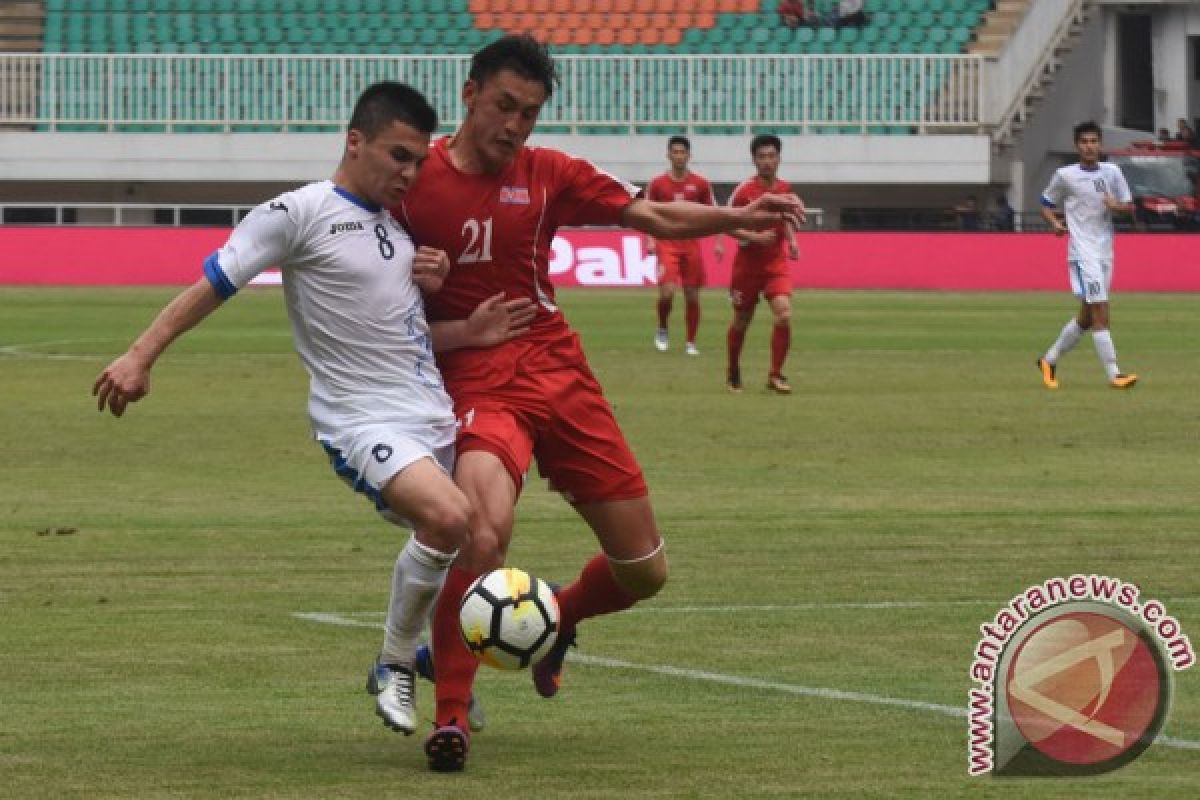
column 127, row 379
column 493, row 321
column 683, row 220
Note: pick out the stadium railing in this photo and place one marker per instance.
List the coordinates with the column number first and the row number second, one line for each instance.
column 655, row 94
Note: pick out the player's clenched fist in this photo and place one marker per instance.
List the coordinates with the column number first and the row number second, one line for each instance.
column 430, row 267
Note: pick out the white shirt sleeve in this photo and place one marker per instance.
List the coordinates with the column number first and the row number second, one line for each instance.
column 1121, row 186
column 1055, row 191
column 263, row 239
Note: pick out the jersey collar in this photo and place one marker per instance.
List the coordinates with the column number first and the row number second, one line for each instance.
column 358, row 201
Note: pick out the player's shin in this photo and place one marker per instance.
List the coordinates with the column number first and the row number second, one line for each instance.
column 1106, row 352
column 692, row 315
column 416, row 579
column 454, row 665
column 781, row 341
column 605, row 587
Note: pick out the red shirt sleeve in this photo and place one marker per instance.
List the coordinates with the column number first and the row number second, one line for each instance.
column 587, row 195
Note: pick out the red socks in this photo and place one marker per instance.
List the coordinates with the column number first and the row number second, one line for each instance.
column 593, row 593
column 692, row 312
column 781, row 340
column 664, row 311
column 452, row 662
column 733, row 346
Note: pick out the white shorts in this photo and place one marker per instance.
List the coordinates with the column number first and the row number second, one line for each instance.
column 1090, row 280
column 367, row 457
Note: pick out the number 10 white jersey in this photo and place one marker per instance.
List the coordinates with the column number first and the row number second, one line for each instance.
column 357, row 318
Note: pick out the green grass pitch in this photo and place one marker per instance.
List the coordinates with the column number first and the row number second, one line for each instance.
column 151, row 568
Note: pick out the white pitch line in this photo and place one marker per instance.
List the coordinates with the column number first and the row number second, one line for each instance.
column 333, row 618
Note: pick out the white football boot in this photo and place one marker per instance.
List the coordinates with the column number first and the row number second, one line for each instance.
column 395, row 696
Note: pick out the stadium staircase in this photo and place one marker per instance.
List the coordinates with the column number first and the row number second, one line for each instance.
column 1027, row 42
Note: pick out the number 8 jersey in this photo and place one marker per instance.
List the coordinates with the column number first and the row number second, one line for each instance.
column 357, row 318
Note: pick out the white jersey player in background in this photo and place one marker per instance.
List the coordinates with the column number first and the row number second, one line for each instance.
column 1089, row 193
column 352, row 282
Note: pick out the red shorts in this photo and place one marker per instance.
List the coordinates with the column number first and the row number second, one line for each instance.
column 750, row 279
column 532, row 400
column 680, row 264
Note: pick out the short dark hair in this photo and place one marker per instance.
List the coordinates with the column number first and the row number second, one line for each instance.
column 765, row 140
column 680, row 140
column 1087, row 127
column 520, row 53
column 386, row 102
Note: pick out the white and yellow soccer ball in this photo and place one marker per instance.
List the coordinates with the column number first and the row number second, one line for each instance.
column 509, row 618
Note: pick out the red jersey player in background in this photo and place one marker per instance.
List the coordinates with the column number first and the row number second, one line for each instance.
column 680, row 262
column 760, row 268
column 494, row 204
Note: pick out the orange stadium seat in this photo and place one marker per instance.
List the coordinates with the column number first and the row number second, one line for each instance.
column 527, row 20
column 638, row 21
column 627, row 36
column 705, row 20
column 672, row 36
column 605, row 37
column 600, row 6
column 562, row 6
column 479, row 6
column 485, row 20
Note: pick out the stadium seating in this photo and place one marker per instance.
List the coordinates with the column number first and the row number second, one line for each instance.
column 461, row 26
column 361, row 27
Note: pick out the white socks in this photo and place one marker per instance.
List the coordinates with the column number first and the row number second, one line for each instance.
column 1066, row 341
column 416, row 580
column 1106, row 352
column 1070, row 336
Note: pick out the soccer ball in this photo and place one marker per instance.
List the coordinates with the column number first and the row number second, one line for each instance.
column 509, row 618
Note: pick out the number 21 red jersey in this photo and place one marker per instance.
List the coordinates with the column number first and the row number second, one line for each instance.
column 498, row 228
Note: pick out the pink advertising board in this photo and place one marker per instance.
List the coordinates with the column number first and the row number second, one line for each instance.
column 78, row 256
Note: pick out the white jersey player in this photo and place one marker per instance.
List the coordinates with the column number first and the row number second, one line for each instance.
column 353, row 282
column 375, row 396
column 1089, row 193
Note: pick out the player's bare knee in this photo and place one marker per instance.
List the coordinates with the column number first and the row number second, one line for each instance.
column 485, row 550
column 642, row 578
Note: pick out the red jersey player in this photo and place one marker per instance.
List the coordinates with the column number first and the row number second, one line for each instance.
column 493, row 204
column 679, row 260
column 760, row 268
